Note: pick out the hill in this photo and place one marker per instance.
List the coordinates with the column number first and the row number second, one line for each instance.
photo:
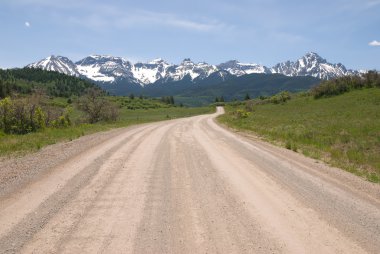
column 343, row 130
column 24, row 81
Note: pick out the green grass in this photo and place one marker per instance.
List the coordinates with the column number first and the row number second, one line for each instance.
column 22, row 144
column 343, row 130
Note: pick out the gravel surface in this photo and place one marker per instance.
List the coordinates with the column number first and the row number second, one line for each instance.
column 182, row 186
column 15, row 172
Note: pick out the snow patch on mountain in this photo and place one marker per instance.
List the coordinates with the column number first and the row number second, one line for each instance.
column 93, row 73
column 189, row 68
column 56, row 63
column 104, row 68
column 312, row 65
column 148, row 73
column 238, row 69
column 110, row 69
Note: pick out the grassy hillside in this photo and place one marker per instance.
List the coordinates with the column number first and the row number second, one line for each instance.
column 343, row 130
column 131, row 112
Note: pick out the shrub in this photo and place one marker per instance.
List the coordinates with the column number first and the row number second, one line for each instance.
column 97, row 107
column 240, row 113
column 249, row 105
column 6, row 113
column 24, row 115
column 110, row 112
column 40, row 118
column 20, row 116
column 281, row 97
column 345, row 84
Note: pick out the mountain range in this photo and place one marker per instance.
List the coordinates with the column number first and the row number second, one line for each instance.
column 117, row 70
column 196, row 83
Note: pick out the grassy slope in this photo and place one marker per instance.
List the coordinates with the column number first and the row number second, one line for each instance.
column 21, row 144
column 343, row 130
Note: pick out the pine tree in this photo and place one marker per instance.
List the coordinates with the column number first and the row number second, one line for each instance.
column 247, row 97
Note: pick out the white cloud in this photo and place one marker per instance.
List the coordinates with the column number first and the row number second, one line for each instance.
column 374, row 43
column 373, row 3
column 149, row 18
column 113, row 18
column 27, row 24
column 101, row 16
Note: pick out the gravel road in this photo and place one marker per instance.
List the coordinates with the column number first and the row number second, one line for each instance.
column 182, row 186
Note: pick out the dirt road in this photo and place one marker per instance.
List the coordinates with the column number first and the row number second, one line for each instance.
column 182, row 186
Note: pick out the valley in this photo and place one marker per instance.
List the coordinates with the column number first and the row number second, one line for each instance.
column 182, row 186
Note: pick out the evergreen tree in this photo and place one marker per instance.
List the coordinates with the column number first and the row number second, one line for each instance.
column 247, row 97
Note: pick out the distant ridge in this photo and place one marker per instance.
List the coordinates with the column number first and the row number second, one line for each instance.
column 107, row 69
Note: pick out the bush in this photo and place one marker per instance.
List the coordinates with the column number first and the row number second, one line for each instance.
column 280, row 97
column 24, row 115
column 345, row 84
column 97, row 107
column 249, row 105
column 20, row 116
column 240, row 113
column 63, row 120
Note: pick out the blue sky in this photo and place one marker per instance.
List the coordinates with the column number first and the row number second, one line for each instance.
column 260, row 31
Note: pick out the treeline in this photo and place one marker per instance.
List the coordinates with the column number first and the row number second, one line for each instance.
column 24, row 81
column 167, row 100
column 346, row 84
column 219, row 99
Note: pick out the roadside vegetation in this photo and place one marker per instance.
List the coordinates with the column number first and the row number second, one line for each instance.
column 337, row 122
column 39, row 108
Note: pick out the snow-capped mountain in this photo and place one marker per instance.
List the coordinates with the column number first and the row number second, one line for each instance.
column 238, row 69
column 148, row 73
column 110, row 69
column 103, row 68
column 188, row 68
column 312, row 65
column 56, row 63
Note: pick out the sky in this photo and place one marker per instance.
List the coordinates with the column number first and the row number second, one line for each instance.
column 257, row 31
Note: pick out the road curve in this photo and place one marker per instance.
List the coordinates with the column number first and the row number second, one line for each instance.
column 189, row 186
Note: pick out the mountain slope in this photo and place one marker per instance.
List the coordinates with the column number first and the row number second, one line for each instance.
column 256, row 84
column 56, row 63
column 236, row 68
column 312, row 65
column 24, row 81
column 109, row 70
column 106, row 69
